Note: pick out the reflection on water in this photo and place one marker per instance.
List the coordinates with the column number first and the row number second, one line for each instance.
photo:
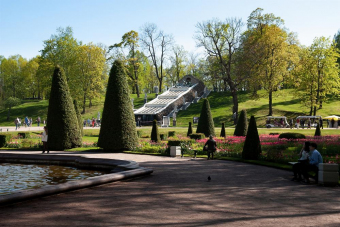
column 14, row 177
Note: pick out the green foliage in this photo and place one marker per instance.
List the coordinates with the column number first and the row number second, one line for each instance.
column 139, row 134
column 242, row 124
column 171, row 133
column 189, row 129
column 79, row 118
column 12, row 101
column 206, row 123
column 118, row 127
column 222, row 134
column 24, row 135
column 197, row 136
column 4, row 139
column 317, row 130
column 155, row 137
column 290, row 135
column 163, row 136
column 174, row 143
column 252, row 145
column 62, row 122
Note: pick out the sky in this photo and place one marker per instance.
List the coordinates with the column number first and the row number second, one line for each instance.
column 25, row 24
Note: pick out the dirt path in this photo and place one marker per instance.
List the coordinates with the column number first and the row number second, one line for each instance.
column 179, row 194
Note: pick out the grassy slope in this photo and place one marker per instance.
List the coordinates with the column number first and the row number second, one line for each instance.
column 284, row 103
column 39, row 108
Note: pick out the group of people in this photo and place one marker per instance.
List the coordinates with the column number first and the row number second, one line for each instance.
column 309, row 160
column 91, row 123
column 303, row 123
column 28, row 122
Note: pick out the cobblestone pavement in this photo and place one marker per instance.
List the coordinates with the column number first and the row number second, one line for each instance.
column 179, row 194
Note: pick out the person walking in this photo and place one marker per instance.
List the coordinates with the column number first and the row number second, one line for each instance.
column 44, row 139
column 297, row 123
column 210, row 147
column 291, row 123
column 26, row 121
column 31, row 122
column 16, row 122
column 38, row 121
column 93, row 122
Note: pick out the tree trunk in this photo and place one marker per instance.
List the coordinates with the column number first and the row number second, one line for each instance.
column 8, row 113
column 160, row 86
column 235, row 106
column 137, row 89
column 90, row 104
column 270, row 103
column 84, row 104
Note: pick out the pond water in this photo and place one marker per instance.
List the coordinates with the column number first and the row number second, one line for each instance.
column 14, row 177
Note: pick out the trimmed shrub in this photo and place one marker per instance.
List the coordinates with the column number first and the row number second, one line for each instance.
column 242, row 124
column 80, row 120
column 252, row 145
column 4, row 139
column 163, row 136
column 317, row 130
column 197, row 136
column 291, row 135
column 139, row 134
column 222, row 134
column 174, row 143
column 24, row 135
column 155, row 137
column 206, row 123
column 62, row 122
column 118, row 126
column 189, row 129
column 171, row 133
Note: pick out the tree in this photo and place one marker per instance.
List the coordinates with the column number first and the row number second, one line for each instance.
column 118, row 127
column 9, row 103
column 317, row 130
column 62, row 122
column 177, row 60
column 155, row 137
column 189, row 129
column 206, row 123
column 252, row 144
column 222, row 134
column 242, row 124
column 156, row 43
column 221, row 40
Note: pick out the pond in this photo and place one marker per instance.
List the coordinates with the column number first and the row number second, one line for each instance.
column 15, row 177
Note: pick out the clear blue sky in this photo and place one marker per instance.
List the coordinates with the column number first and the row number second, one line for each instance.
column 25, row 24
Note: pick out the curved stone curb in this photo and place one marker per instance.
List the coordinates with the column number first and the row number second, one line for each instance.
column 120, row 169
column 72, row 185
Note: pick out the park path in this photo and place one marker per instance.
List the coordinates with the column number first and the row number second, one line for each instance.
column 179, row 194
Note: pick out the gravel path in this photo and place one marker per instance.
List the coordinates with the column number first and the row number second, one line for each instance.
column 179, row 194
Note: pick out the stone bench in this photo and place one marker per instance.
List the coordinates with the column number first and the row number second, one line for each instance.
column 328, row 174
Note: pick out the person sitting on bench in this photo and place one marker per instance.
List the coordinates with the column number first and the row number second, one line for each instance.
column 314, row 159
column 303, row 160
column 210, row 147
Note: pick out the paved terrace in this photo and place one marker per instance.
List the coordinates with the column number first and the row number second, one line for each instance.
column 178, row 194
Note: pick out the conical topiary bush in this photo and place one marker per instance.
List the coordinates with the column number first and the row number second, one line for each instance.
column 252, row 145
column 241, row 127
column 62, row 122
column 206, row 123
column 155, row 137
column 80, row 120
column 222, row 134
column 317, row 130
column 189, row 129
column 118, row 127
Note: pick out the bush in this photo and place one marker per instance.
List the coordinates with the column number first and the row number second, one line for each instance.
column 163, row 136
column 222, row 134
column 4, row 139
column 197, row 136
column 174, row 143
column 171, row 133
column 80, row 120
column 242, row 124
column 24, row 135
column 252, row 145
column 206, row 123
column 139, row 134
column 317, row 131
column 189, row 129
column 62, row 122
column 154, row 132
column 291, row 135
column 118, row 126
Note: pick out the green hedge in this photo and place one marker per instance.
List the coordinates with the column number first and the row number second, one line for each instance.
column 174, row 143
column 197, row 136
column 163, row 136
column 4, row 139
column 171, row 133
column 24, row 135
column 291, row 135
column 139, row 134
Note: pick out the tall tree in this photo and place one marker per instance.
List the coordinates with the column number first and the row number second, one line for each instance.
column 221, row 40
column 177, row 61
column 157, row 44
